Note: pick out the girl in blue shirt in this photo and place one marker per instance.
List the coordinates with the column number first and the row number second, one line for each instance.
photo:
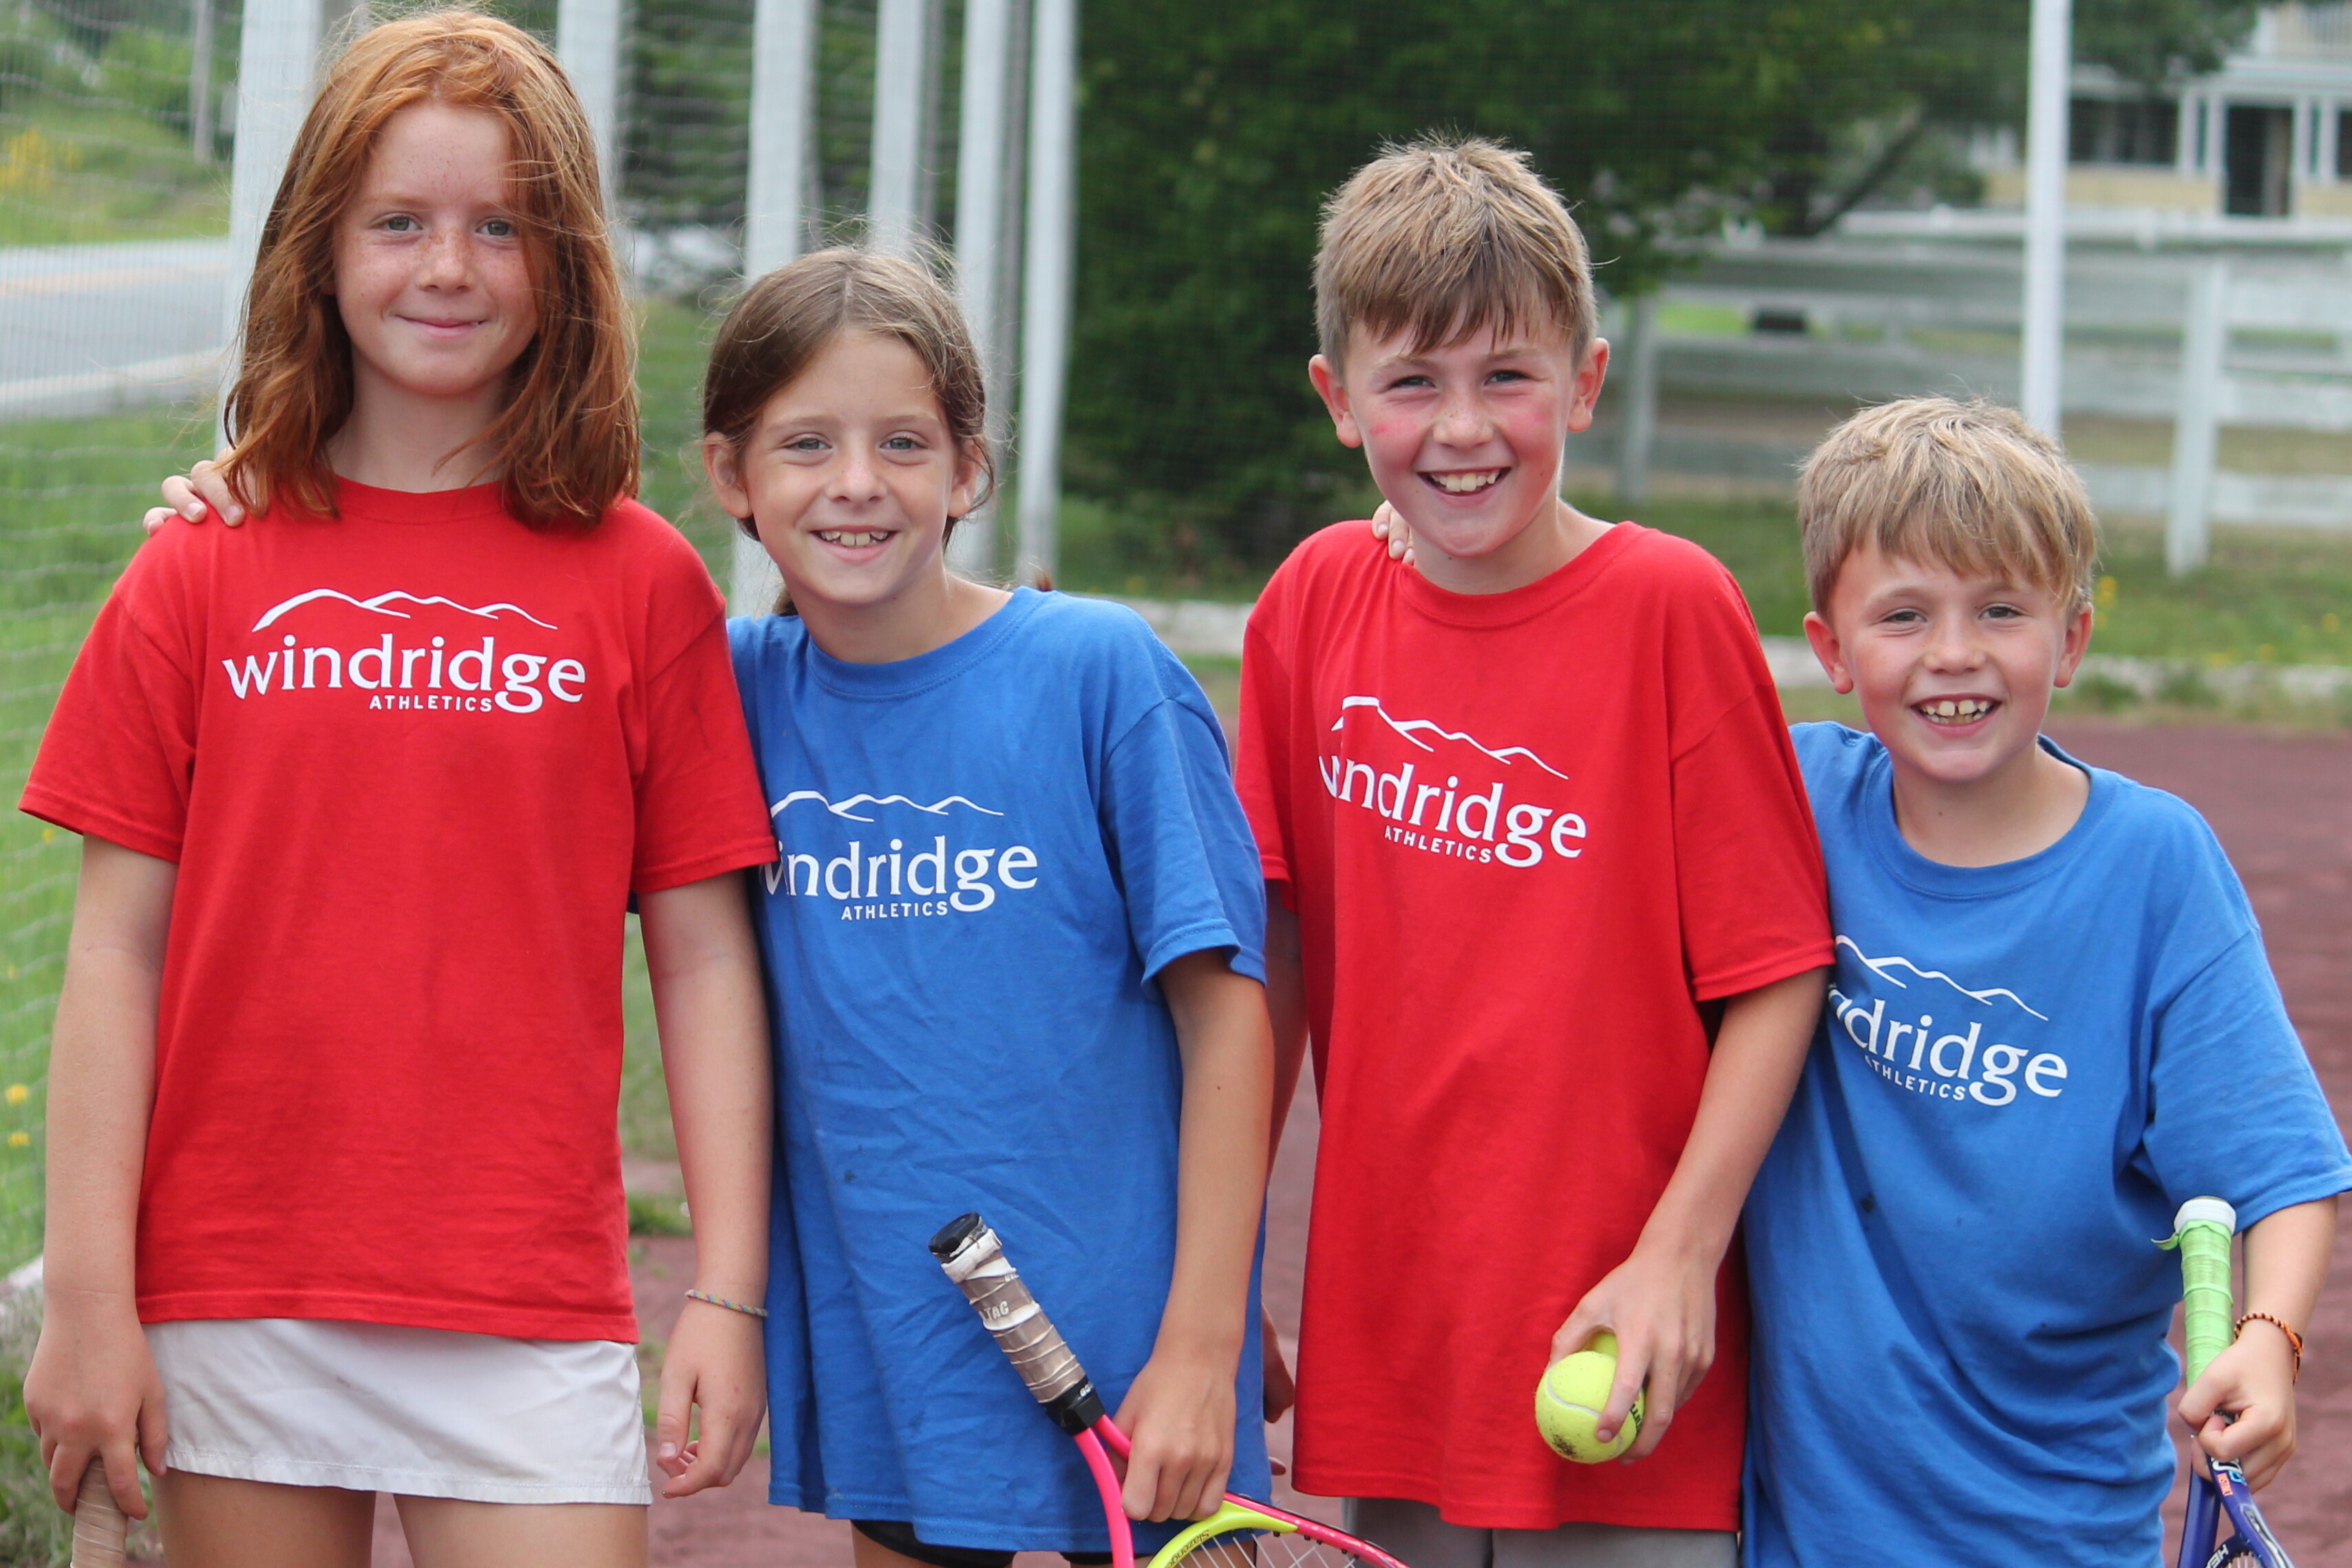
column 1013, row 946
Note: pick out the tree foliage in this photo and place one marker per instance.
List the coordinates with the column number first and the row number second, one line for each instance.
column 1213, row 130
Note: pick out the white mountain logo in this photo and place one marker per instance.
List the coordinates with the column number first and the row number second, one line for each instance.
column 1412, row 729
column 847, row 809
column 1883, row 968
column 380, row 604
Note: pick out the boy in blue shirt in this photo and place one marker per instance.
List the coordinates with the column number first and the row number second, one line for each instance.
column 2052, row 1021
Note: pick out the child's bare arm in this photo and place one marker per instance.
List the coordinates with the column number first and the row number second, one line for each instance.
column 1180, row 1411
column 705, row 970
column 1661, row 1300
column 92, row 1387
column 2286, row 1265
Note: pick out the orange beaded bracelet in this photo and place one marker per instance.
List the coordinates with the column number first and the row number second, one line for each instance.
column 2294, row 1340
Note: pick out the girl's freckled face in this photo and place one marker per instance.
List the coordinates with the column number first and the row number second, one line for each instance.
column 432, row 278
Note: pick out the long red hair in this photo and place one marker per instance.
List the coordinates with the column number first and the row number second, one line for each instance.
column 566, row 444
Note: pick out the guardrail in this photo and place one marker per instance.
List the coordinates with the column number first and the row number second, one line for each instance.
column 2200, row 339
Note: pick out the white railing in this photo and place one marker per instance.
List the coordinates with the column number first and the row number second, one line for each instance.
column 2268, row 341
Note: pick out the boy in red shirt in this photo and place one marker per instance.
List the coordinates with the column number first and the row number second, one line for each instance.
column 1546, row 896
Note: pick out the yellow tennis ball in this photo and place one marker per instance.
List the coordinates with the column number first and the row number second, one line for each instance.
column 1571, row 1398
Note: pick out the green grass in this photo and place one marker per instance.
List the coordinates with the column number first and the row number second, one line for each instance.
column 75, row 490
column 78, row 175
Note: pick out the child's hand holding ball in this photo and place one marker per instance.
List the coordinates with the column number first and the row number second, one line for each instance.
column 1572, row 1397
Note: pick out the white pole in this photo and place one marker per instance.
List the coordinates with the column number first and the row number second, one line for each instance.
column 980, row 233
column 783, row 132
column 1640, row 424
column 783, row 141
column 2196, row 427
column 894, row 190
column 588, row 42
column 1045, row 309
column 2046, row 213
column 200, row 82
column 278, row 54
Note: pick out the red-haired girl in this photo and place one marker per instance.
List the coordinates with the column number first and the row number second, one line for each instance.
column 365, row 787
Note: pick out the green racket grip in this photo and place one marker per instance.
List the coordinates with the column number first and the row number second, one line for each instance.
column 2201, row 1230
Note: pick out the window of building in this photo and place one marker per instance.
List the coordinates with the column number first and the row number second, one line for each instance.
column 2344, row 143
column 2123, row 131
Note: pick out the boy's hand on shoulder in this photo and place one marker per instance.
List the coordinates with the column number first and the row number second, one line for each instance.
column 1392, row 530
column 1179, row 1418
column 1661, row 1307
column 203, row 493
column 2253, row 1380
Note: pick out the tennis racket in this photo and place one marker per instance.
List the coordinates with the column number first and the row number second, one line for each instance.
column 2202, row 1230
column 99, row 1530
column 1243, row 1533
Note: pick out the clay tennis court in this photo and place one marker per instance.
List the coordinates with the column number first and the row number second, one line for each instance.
column 2282, row 807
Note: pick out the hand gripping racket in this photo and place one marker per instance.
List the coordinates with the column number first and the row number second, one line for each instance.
column 2202, row 1231
column 1241, row 1534
column 99, row 1530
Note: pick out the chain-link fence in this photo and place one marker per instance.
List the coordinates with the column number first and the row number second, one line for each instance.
column 112, row 192
column 1690, row 134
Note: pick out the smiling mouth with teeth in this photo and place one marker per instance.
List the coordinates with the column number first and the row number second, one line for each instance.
column 1955, row 710
column 852, row 541
column 1464, row 484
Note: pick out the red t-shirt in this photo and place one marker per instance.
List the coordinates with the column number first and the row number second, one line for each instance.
column 411, row 763
column 1528, row 836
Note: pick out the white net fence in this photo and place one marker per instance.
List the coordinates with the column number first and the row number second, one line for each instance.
column 114, row 195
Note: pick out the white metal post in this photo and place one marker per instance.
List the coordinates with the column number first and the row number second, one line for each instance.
column 980, row 233
column 588, row 35
column 2045, row 345
column 783, row 145
column 199, row 81
column 1045, row 306
column 894, row 204
column 1639, row 422
column 2196, row 428
column 277, row 53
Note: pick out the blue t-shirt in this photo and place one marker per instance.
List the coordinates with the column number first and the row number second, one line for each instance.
column 2022, row 1071
column 986, row 854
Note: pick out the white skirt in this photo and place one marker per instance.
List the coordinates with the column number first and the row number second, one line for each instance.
column 413, row 1412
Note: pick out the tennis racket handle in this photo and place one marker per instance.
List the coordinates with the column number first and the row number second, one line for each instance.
column 2202, row 1230
column 975, row 1260
column 99, row 1530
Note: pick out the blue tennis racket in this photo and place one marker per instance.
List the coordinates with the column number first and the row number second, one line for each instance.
column 2202, row 1230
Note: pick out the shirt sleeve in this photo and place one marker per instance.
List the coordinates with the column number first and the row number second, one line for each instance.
column 1748, row 860
column 118, row 760
column 700, row 811
column 2234, row 1109
column 1262, row 769
column 1179, row 843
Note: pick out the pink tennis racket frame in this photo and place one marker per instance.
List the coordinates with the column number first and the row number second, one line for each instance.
column 974, row 1259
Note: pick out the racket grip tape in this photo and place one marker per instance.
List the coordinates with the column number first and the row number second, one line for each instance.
column 974, row 1259
column 99, row 1530
column 2202, row 1231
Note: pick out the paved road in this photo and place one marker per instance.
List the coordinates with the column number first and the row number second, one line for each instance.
column 84, row 328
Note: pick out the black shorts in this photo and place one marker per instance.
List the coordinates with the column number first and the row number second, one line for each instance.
column 900, row 1538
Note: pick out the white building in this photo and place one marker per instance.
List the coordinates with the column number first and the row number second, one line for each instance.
column 2267, row 136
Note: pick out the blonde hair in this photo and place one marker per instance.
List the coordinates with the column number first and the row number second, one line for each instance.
column 1970, row 486
column 1446, row 236
column 567, row 440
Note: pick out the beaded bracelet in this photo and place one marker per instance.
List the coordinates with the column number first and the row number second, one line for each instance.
column 2294, row 1340
column 748, row 1311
